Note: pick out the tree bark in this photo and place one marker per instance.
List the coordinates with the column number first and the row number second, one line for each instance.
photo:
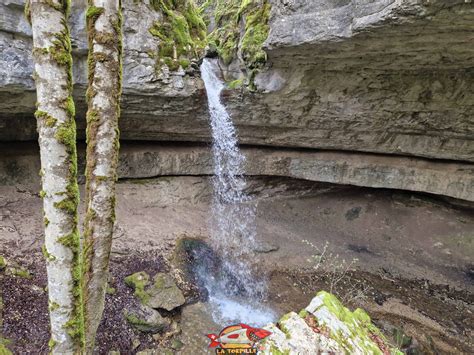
column 57, row 141
column 103, row 95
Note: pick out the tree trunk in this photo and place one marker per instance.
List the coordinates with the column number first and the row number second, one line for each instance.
column 57, row 141
column 103, row 96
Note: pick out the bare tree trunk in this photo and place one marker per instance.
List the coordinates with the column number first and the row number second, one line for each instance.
column 57, row 141
column 105, row 51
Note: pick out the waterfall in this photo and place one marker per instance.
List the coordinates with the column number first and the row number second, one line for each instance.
column 233, row 225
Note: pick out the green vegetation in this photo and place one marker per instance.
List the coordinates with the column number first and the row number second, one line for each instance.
column 3, row 346
column 182, row 32
column 358, row 323
column 228, row 16
column 20, row 272
column 242, row 24
column 3, row 263
column 303, row 313
column 46, row 254
column 235, row 84
column 138, row 282
column 49, row 121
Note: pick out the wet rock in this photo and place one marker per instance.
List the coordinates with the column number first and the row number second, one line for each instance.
column 162, row 293
column 146, row 319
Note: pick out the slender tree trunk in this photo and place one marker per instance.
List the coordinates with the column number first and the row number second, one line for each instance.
column 57, row 141
column 105, row 50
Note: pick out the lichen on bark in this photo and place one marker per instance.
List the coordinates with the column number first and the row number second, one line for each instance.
column 104, row 23
column 57, row 140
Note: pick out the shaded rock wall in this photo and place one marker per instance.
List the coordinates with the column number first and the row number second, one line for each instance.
column 20, row 165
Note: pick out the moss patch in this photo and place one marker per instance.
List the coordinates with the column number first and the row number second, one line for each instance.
column 182, row 32
column 3, row 346
column 139, row 281
column 3, row 263
column 230, row 15
column 20, row 272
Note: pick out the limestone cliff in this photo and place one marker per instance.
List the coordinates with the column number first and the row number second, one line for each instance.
column 385, row 77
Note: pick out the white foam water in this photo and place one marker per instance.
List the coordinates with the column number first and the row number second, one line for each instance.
column 233, row 217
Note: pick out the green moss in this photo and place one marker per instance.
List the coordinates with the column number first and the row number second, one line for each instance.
column 66, row 134
column 49, row 121
column 358, row 323
column 256, row 32
column 51, row 344
column 20, row 272
column 46, row 221
column 282, row 325
column 53, row 306
column 182, row 32
column 111, row 290
column 229, row 18
column 3, row 262
column 42, row 193
column 75, row 325
column 184, row 63
column 235, row 84
column 27, row 11
column 70, row 108
column 275, row 351
column 60, row 51
column 138, row 282
column 93, row 12
column 46, row 254
column 303, row 313
column 3, row 346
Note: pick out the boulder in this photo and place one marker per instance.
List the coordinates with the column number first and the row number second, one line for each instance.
column 326, row 326
column 162, row 293
column 146, row 319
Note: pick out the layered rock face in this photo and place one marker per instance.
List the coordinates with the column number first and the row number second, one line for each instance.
column 390, row 77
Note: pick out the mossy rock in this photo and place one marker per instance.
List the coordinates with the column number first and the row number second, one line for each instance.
column 147, row 320
column 162, row 293
column 326, row 326
column 3, row 263
column 138, row 282
column 353, row 331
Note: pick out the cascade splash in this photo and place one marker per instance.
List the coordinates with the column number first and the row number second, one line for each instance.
column 233, row 220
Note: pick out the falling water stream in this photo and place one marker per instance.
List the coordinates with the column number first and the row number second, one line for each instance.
column 237, row 290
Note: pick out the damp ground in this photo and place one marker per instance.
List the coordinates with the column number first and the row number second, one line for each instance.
column 412, row 254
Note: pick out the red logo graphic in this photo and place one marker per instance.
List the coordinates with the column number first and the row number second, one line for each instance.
column 239, row 336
